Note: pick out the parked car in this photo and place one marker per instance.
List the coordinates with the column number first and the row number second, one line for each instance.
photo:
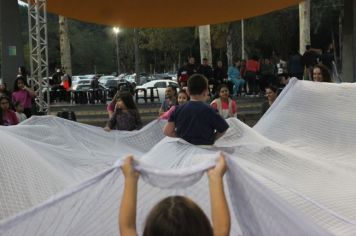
column 85, row 85
column 161, row 86
column 105, row 78
column 77, row 78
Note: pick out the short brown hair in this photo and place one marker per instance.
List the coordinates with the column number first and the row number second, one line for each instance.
column 177, row 216
column 197, row 84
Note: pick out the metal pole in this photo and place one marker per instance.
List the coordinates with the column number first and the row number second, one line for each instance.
column 243, row 56
column 39, row 52
column 117, row 54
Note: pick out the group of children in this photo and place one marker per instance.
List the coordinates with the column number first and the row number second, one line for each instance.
column 15, row 107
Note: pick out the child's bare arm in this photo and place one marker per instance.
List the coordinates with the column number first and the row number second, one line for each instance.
column 170, row 130
column 220, row 214
column 127, row 214
column 219, row 135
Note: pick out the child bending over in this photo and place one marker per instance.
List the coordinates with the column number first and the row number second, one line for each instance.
column 196, row 122
column 176, row 215
column 126, row 116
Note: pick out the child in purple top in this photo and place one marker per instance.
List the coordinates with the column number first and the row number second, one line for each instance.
column 23, row 94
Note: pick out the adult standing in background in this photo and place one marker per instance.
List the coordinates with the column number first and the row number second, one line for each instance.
column 295, row 65
column 206, row 70
column 252, row 68
column 309, row 60
column 186, row 71
column 220, row 75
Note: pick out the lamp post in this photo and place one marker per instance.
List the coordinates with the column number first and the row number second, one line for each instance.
column 116, row 31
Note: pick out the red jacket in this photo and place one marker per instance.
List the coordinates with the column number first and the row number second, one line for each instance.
column 252, row 65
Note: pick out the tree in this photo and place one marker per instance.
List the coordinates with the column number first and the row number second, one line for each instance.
column 304, row 25
column 205, row 43
column 66, row 61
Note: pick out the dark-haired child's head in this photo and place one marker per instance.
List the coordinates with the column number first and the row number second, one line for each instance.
column 321, row 73
column 20, row 83
column 223, row 91
column 271, row 92
column 125, row 101
column 3, row 86
column 178, row 216
column 183, row 97
column 198, row 86
column 19, row 107
column 4, row 103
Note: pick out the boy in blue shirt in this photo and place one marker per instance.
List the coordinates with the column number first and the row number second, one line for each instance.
column 195, row 121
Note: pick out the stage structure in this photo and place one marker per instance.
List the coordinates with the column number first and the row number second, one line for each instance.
column 37, row 23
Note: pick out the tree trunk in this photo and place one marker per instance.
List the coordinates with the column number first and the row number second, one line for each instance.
column 349, row 42
column 137, row 53
column 229, row 47
column 243, row 55
column 304, row 25
column 205, row 43
column 179, row 60
column 64, row 45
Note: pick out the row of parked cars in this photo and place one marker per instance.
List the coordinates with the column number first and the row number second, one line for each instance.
column 111, row 83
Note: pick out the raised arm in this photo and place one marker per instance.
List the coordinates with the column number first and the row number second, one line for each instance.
column 220, row 214
column 30, row 91
column 127, row 214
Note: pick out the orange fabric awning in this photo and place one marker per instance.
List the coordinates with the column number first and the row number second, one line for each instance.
column 163, row 13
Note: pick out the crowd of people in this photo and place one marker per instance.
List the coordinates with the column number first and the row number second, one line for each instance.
column 225, row 86
column 16, row 105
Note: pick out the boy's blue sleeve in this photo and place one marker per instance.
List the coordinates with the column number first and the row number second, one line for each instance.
column 217, row 122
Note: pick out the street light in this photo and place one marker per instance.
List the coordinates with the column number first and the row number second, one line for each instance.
column 116, row 31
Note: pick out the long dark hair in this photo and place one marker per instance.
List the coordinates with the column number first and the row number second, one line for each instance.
column 16, row 87
column 1, row 111
column 177, row 216
column 324, row 72
column 126, row 97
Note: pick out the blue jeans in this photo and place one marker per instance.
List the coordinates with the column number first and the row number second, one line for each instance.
column 238, row 85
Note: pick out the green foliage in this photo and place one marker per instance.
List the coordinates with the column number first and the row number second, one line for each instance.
column 93, row 47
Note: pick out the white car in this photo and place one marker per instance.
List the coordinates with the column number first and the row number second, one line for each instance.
column 77, row 78
column 105, row 78
column 161, row 86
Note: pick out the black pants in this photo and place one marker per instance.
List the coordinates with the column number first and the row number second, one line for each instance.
column 252, row 82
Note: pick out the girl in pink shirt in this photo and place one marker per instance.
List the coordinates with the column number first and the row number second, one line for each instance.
column 182, row 98
column 23, row 94
column 226, row 106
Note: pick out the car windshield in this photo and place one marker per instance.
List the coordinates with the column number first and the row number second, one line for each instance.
column 84, row 82
column 111, row 83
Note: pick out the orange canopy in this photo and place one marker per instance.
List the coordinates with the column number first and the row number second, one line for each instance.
column 163, row 13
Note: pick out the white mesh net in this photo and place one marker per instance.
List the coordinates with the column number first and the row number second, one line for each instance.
column 293, row 174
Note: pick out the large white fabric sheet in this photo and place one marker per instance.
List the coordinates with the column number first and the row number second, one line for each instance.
column 293, row 174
